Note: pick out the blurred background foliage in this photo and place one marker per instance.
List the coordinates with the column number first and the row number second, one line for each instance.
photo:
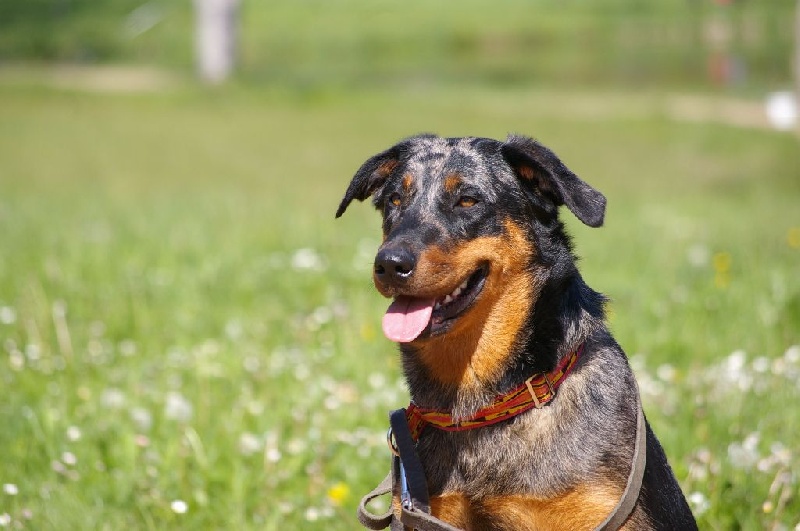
column 745, row 45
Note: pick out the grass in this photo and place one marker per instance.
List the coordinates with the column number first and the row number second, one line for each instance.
column 189, row 340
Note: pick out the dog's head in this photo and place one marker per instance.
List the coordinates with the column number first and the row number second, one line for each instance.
column 471, row 231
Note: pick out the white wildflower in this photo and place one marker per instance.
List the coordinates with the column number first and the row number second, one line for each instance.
column 698, row 255
column 68, row 458
column 666, row 372
column 272, row 455
column 5, row 519
column 699, row 502
column 307, row 259
column 792, row 355
column 10, row 489
column 312, row 514
column 376, row 380
column 296, row 446
column 142, row 418
column 8, row 315
column 177, row 407
column 74, row 433
column 113, row 398
column 761, row 364
column 127, row 347
column 249, row 444
column 179, row 506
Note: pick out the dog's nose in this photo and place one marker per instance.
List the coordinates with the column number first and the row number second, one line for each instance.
column 393, row 264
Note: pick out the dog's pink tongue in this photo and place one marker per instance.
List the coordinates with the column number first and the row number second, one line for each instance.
column 406, row 318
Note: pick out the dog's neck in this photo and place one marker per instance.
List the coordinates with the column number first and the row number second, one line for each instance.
column 563, row 314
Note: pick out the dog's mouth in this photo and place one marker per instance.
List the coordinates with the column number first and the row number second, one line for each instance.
column 408, row 317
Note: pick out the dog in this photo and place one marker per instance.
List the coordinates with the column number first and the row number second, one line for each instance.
column 487, row 298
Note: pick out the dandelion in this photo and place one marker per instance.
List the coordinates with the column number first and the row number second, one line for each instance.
column 10, row 489
column 338, row 493
column 793, row 239
column 179, row 506
column 722, row 268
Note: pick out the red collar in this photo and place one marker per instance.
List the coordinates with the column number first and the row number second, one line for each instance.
column 535, row 392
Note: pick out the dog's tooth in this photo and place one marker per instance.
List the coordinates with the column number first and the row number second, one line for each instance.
column 437, row 305
column 456, row 293
column 448, row 299
column 463, row 285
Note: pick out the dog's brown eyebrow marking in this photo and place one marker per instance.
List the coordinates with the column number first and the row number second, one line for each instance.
column 451, row 182
column 408, row 180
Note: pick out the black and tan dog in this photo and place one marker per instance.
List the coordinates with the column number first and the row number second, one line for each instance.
column 487, row 298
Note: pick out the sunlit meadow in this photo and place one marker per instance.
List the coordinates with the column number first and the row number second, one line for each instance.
column 188, row 340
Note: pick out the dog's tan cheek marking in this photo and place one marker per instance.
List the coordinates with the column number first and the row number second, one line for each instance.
column 477, row 348
column 581, row 508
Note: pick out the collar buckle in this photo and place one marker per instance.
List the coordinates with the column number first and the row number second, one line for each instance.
column 538, row 404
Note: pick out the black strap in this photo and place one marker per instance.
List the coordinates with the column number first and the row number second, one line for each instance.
column 409, row 460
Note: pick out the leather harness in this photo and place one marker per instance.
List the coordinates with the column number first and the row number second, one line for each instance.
column 406, row 480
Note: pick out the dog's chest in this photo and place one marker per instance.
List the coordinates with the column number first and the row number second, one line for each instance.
column 487, row 461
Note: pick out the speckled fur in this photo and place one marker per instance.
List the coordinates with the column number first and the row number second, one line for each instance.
column 513, row 475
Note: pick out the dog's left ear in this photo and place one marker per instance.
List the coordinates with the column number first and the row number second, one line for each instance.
column 371, row 176
column 541, row 168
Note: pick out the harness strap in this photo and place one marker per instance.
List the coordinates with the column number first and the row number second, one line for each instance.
column 629, row 497
column 371, row 520
column 414, row 486
column 407, row 478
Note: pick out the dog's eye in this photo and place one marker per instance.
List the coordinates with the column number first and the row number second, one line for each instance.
column 466, row 201
column 395, row 199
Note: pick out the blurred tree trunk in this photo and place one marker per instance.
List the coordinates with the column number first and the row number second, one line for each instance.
column 215, row 38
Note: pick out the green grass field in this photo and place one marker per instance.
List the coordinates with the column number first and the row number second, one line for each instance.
column 188, row 340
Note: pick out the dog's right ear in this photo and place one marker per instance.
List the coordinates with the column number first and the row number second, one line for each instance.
column 371, row 176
